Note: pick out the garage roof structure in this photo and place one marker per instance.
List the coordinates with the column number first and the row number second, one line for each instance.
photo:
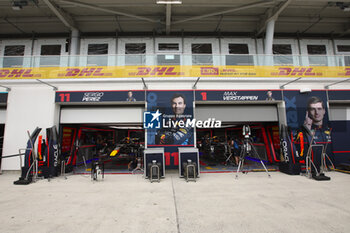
column 186, row 17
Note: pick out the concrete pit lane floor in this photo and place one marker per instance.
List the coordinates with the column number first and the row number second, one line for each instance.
column 215, row 203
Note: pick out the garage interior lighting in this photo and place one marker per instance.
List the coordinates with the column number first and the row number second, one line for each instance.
column 125, row 127
column 169, row 2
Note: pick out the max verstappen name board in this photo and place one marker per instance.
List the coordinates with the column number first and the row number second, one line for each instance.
column 238, row 95
column 99, row 96
column 172, row 71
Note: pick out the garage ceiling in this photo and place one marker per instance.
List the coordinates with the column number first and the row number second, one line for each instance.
column 192, row 17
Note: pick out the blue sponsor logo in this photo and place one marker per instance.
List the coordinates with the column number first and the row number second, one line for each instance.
column 151, row 120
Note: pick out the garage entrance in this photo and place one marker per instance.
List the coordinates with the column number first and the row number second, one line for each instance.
column 111, row 133
column 3, row 103
column 219, row 146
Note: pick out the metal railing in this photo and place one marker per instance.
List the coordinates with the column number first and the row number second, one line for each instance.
column 174, row 59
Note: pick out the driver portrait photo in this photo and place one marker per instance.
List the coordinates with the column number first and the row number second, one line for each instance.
column 315, row 125
column 315, row 113
column 269, row 95
column 178, row 104
column 175, row 135
column 130, row 98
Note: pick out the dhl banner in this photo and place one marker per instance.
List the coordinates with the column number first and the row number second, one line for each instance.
column 172, row 71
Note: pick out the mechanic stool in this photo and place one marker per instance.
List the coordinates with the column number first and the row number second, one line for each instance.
column 154, row 171
column 190, row 171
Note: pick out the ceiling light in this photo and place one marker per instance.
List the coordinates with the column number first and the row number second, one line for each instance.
column 169, row 2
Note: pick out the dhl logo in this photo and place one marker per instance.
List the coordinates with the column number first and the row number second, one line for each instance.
column 85, row 72
column 209, row 71
column 347, row 71
column 167, row 70
column 296, row 71
column 170, row 71
column 18, row 73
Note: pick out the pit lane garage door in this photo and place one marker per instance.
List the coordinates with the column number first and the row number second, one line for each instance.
column 339, row 112
column 238, row 113
column 101, row 114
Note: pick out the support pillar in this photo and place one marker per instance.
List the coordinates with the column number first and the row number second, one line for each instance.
column 270, row 29
column 74, row 47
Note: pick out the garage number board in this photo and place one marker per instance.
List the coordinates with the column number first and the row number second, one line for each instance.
column 238, row 95
column 99, row 96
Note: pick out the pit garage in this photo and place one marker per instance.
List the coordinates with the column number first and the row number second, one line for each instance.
column 110, row 127
column 2, row 128
column 111, row 133
column 220, row 147
column 3, row 103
